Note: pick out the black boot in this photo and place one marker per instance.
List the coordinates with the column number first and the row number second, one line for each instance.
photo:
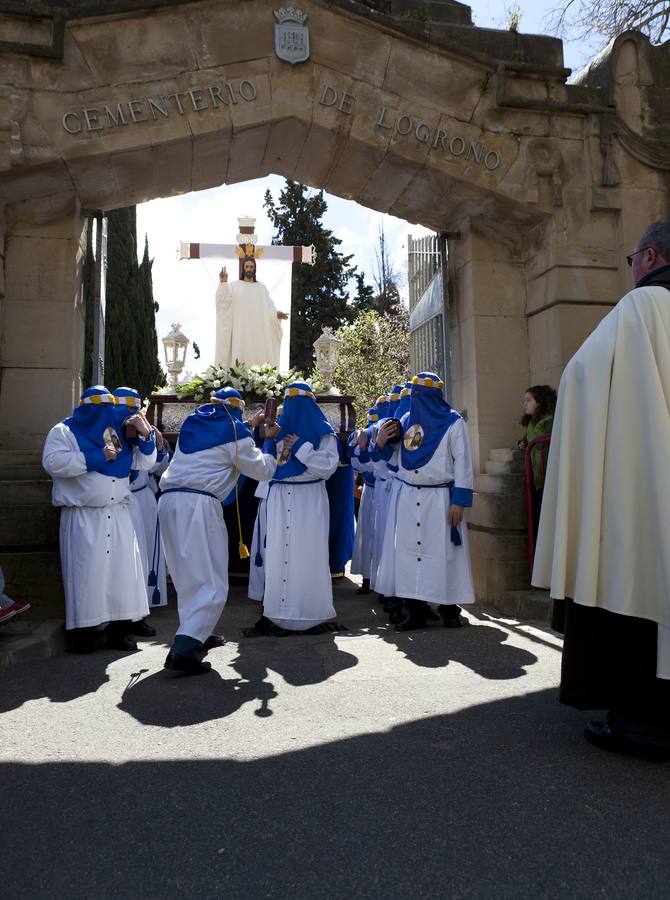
column 214, row 640
column 365, row 587
column 187, row 665
column 451, row 615
column 415, row 618
column 117, row 636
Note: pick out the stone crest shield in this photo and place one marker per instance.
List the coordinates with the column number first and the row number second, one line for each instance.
column 291, row 35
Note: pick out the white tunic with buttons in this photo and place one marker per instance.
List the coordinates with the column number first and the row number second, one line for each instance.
column 194, row 532
column 103, row 574
column 427, row 565
column 298, row 589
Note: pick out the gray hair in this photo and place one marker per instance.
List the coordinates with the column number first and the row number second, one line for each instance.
column 657, row 236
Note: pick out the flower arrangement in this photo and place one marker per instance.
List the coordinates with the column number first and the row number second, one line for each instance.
column 254, row 381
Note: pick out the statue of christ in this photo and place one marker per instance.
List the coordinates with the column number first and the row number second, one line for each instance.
column 248, row 324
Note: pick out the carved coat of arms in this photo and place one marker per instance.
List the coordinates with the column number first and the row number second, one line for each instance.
column 291, row 35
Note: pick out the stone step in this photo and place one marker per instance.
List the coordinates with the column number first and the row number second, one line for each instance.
column 21, row 492
column 34, row 576
column 529, row 604
column 29, row 523
column 499, row 467
column 501, row 511
column 43, row 640
column 507, row 483
column 505, row 454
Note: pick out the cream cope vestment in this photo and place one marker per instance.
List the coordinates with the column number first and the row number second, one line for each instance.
column 604, row 534
column 247, row 327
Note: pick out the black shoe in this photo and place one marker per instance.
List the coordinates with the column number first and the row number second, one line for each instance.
column 601, row 735
column 397, row 615
column 451, row 616
column 214, row 640
column 186, row 664
column 142, row 629
column 365, row 587
column 431, row 615
column 121, row 642
column 265, row 628
column 412, row 621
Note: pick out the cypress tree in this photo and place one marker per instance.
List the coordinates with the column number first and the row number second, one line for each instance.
column 131, row 353
column 89, row 305
column 318, row 292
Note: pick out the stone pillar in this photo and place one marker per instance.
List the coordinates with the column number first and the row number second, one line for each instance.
column 489, row 340
column 43, row 317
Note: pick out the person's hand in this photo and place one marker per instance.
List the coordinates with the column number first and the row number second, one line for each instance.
column 160, row 440
column 257, row 419
column 521, row 445
column 110, row 453
column 455, row 514
column 290, row 440
column 140, row 424
column 386, row 432
column 271, row 431
column 282, row 315
column 223, row 275
column 362, row 439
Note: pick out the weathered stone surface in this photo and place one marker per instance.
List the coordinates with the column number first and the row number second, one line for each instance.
column 28, row 524
column 36, row 576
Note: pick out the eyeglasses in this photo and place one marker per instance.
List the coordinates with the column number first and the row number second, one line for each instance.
column 629, row 258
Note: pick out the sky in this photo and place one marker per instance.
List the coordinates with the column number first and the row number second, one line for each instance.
column 185, row 289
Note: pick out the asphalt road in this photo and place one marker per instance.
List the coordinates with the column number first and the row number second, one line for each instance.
column 362, row 765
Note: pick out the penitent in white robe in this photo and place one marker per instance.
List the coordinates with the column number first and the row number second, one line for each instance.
column 362, row 552
column 385, row 575
column 298, row 588
column 427, row 565
column 103, row 572
column 194, row 532
column 247, row 327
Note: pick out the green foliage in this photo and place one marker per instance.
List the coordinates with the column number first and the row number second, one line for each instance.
column 318, row 292
column 131, row 353
column 374, row 356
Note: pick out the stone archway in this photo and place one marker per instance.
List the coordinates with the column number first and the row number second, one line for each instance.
column 477, row 133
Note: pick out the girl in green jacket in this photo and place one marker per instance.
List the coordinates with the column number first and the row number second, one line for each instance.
column 539, row 404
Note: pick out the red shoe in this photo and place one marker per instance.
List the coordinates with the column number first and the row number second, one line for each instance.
column 7, row 613
column 19, row 607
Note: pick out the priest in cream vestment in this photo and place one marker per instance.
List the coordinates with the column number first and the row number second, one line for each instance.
column 248, row 324
column 604, row 535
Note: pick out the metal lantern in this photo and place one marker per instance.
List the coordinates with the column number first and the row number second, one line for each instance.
column 327, row 348
column 175, row 344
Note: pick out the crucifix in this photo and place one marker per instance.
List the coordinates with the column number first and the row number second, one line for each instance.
column 248, row 324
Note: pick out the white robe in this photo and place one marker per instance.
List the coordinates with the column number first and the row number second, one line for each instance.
column 298, row 587
column 195, row 539
column 256, row 572
column 605, row 523
column 247, row 327
column 426, row 564
column 380, row 508
column 103, row 573
column 362, row 553
column 145, row 519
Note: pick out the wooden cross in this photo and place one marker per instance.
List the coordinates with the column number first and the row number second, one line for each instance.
column 247, row 247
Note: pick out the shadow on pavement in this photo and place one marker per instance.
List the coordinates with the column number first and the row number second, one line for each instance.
column 501, row 800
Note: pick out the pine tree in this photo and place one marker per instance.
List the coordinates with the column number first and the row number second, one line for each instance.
column 318, row 292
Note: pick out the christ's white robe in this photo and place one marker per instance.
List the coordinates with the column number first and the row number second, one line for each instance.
column 194, row 532
column 426, row 564
column 362, row 553
column 298, row 588
column 247, row 327
column 103, row 572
